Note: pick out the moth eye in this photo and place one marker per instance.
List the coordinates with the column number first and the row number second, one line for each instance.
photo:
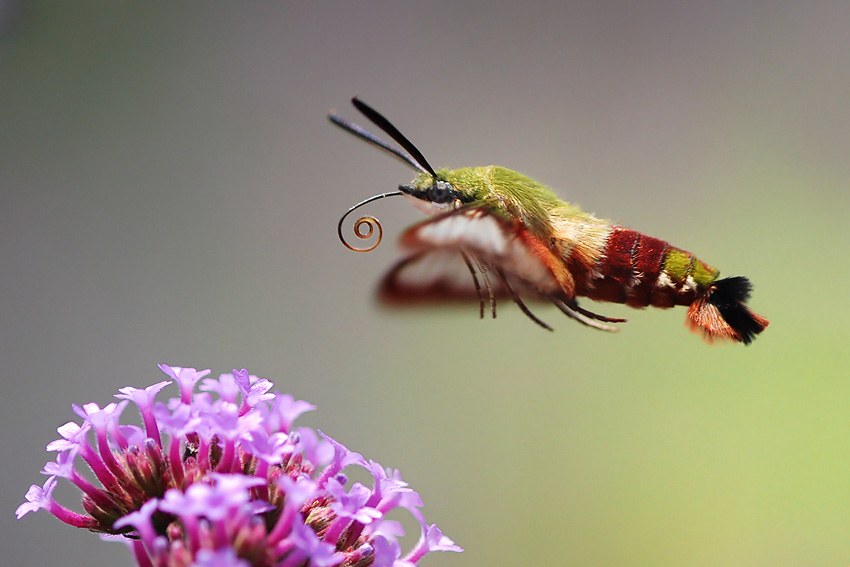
column 440, row 192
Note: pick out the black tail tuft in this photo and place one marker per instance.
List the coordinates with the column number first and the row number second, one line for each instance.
column 720, row 313
column 728, row 296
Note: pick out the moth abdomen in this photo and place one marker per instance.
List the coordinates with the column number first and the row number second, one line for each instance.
column 641, row 271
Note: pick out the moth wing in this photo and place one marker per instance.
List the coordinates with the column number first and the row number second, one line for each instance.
column 445, row 249
column 437, row 275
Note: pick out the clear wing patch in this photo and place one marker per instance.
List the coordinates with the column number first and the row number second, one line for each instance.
column 471, row 230
column 436, row 275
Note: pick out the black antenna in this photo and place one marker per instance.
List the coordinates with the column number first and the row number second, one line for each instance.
column 381, row 122
column 413, row 157
column 358, row 131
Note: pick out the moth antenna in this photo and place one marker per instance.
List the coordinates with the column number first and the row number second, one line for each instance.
column 475, row 282
column 381, row 122
column 365, row 135
column 371, row 222
column 519, row 301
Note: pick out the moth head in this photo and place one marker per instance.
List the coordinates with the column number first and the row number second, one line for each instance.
column 432, row 194
column 430, row 191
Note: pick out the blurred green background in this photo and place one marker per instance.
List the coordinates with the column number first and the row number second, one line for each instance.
column 169, row 192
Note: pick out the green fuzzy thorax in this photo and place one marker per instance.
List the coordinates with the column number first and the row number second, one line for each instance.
column 511, row 195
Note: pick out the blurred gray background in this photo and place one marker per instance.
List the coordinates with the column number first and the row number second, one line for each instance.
column 169, row 192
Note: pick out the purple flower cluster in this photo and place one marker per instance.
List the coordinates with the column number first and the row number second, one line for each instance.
column 221, row 478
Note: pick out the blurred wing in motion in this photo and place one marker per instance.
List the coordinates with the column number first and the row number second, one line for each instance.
column 471, row 253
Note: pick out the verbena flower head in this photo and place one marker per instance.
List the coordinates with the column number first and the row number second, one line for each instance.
column 221, row 478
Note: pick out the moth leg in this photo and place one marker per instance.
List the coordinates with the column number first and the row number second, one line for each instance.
column 574, row 305
column 519, row 301
column 490, row 291
column 579, row 316
column 477, row 285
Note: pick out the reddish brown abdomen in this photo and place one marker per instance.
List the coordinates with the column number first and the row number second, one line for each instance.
column 631, row 270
